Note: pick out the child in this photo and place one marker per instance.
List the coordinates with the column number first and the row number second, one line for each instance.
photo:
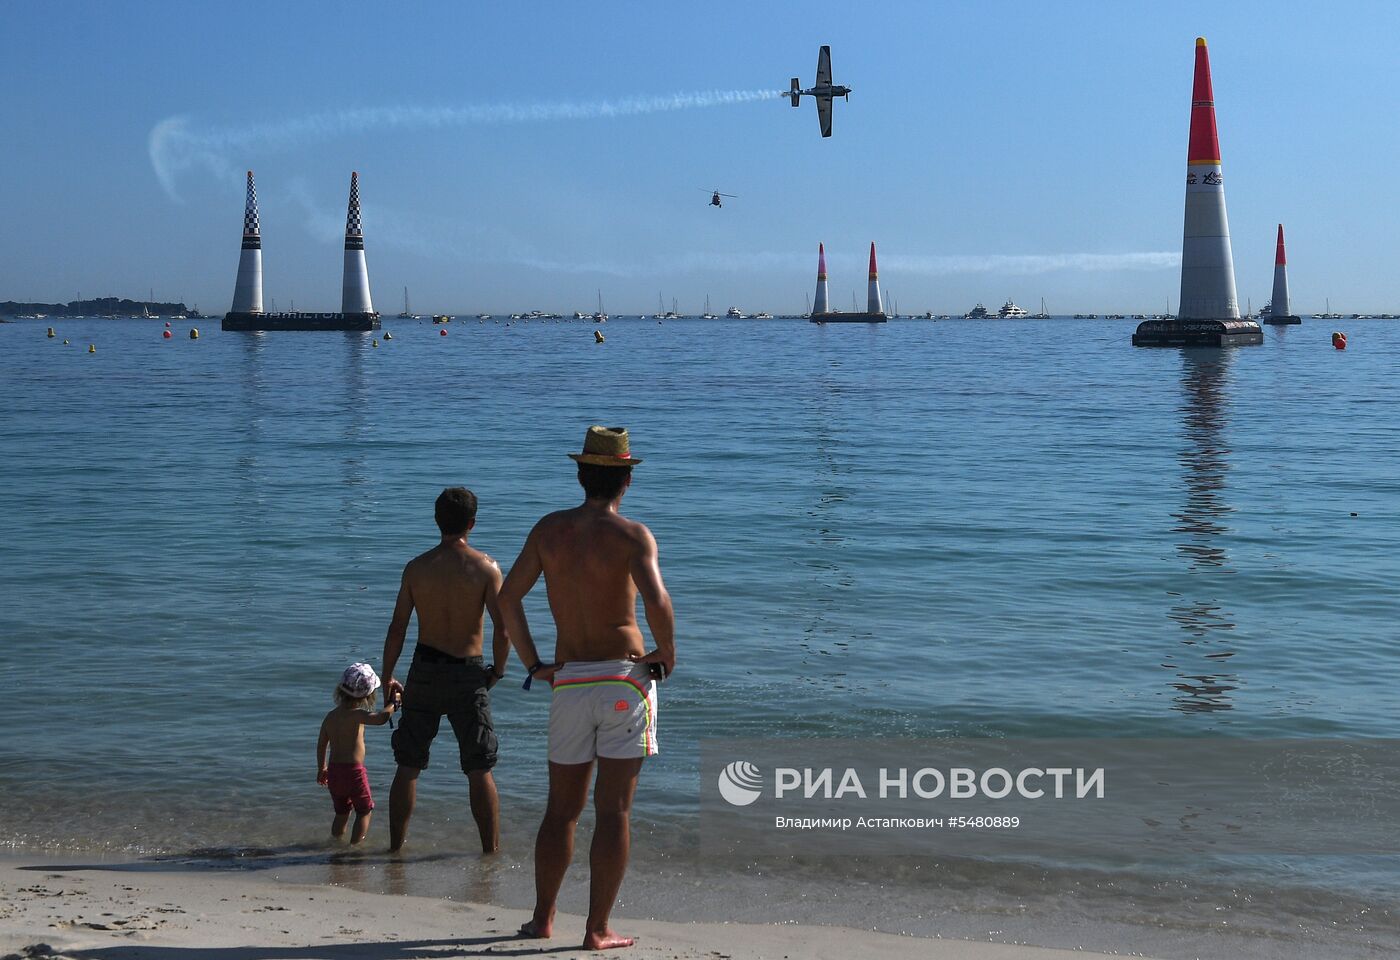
column 343, row 731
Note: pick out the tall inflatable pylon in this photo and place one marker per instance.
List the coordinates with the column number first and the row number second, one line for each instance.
column 873, row 304
column 248, row 288
column 819, row 302
column 1208, row 310
column 354, row 288
column 1280, row 310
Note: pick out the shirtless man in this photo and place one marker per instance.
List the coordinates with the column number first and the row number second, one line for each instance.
column 595, row 562
column 449, row 586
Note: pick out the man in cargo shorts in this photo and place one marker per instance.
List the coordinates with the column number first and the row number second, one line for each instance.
column 595, row 563
column 450, row 587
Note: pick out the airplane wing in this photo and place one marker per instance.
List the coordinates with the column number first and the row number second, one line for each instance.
column 824, row 67
column 824, row 114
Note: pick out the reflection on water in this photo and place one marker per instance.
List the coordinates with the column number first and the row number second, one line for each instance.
column 828, row 516
column 1201, row 684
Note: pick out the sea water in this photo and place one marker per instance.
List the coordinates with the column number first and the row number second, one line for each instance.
column 917, row 529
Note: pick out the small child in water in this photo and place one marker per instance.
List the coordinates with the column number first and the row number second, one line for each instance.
column 343, row 731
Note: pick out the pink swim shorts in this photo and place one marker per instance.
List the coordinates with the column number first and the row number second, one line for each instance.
column 349, row 783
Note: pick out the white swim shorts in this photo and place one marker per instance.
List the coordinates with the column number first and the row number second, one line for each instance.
column 602, row 708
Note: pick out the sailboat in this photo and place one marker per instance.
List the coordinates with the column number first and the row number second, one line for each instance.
column 406, row 315
column 708, row 315
column 1042, row 315
column 600, row 316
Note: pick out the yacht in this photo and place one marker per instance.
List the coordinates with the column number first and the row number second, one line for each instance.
column 441, row 318
column 978, row 312
column 1009, row 311
column 734, row 313
column 582, row 316
column 763, row 315
column 483, row 316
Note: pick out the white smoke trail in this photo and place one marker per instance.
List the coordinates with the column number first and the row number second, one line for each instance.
column 176, row 145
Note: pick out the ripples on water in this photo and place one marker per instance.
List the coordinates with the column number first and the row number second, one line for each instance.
column 920, row 529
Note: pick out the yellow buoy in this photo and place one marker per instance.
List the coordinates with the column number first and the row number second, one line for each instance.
column 597, row 336
column 388, row 335
column 376, row 344
column 194, row 333
column 51, row 333
column 92, row 348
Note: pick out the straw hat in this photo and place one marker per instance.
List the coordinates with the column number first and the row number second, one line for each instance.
column 606, row 447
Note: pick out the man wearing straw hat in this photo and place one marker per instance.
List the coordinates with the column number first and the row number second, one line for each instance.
column 595, row 563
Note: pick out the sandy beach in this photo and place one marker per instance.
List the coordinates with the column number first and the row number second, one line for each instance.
column 108, row 912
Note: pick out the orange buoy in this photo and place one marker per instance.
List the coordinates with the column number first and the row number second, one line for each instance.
column 1339, row 340
column 165, row 334
column 442, row 333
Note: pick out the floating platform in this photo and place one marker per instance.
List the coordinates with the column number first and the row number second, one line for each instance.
column 848, row 318
column 1197, row 333
column 1281, row 320
column 354, row 322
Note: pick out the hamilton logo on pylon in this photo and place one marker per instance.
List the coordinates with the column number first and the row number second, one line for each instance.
column 740, row 783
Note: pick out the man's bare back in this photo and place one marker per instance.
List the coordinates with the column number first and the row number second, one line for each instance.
column 588, row 557
column 448, row 587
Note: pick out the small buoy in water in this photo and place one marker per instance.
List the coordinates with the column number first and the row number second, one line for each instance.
column 92, row 348
column 194, row 333
column 51, row 333
column 165, row 334
column 388, row 335
column 442, row 333
column 167, row 324
column 375, row 344
column 1339, row 340
column 597, row 336
column 65, row 343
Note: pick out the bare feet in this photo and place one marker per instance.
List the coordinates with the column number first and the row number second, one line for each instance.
column 537, row 929
column 605, row 940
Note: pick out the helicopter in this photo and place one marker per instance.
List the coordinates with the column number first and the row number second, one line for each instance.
column 715, row 197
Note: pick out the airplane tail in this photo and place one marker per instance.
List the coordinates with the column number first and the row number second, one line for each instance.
column 796, row 91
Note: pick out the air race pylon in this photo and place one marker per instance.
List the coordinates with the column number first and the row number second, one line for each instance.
column 872, row 297
column 247, row 290
column 1280, row 311
column 819, row 302
column 1208, row 311
column 354, row 288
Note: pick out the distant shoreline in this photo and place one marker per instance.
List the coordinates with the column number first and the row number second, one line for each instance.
column 100, row 308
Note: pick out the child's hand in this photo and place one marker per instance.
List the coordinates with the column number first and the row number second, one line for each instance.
column 323, row 777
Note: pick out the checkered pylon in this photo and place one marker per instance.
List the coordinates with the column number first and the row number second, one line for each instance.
column 250, row 212
column 252, row 239
column 352, row 216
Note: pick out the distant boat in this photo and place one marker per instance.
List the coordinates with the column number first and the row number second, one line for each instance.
column 707, row 315
column 978, row 312
column 407, row 314
column 601, row 316
column 734, row 313
column 441, row 318
column 1042, row 315
column 763, row 315
column 1009, row 311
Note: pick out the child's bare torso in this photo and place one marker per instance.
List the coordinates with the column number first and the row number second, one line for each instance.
column 345, row 729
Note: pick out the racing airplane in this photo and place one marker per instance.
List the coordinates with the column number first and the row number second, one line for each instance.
column 823, row 92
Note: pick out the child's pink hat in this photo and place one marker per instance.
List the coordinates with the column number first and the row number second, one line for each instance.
column 359, row 680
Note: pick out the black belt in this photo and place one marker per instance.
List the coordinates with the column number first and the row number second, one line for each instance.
column 429, row 654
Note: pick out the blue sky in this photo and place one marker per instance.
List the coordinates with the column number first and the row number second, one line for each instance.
column 992, row 150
